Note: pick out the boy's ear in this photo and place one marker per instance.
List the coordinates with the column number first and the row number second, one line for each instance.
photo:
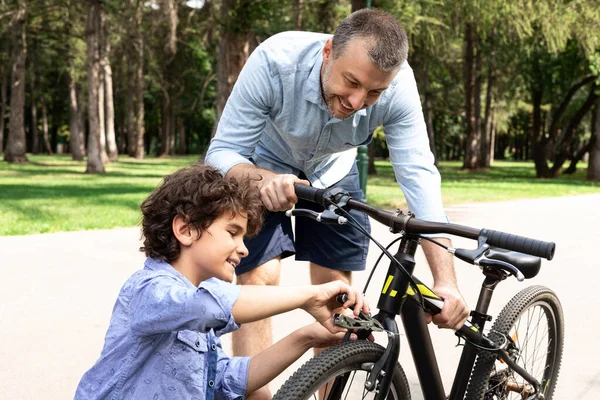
column 182, row 231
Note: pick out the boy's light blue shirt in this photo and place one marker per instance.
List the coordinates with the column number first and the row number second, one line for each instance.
column 276, row 118
column 163, row 341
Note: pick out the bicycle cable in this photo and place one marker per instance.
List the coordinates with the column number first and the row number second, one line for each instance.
column 411, row 282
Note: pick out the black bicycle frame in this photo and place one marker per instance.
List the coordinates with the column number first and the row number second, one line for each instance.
column 392, row 302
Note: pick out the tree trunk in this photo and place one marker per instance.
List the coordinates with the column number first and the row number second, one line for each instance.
column 485, row 159
column 139, row 79
column 298, row 8
column 76, row 135
column 94, row 163
column 35, row 135
column 470, row 161
column 101, row 120
column 182, row 137
column 129, row 84
column 540, row 142
column 3, row 86
column 570, row 131
column 45, row 136
column 585, row 148
column 167, row 127
column 593, row 173
column 109, row 108
column 16, row 143
column 233, row 48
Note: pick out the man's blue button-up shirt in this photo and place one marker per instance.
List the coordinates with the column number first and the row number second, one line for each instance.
column 163, row 341
column 276, row 118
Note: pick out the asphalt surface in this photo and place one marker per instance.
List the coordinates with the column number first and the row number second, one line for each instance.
column 57, row 292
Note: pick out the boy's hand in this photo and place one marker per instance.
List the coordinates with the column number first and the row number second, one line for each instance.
column 322, row 305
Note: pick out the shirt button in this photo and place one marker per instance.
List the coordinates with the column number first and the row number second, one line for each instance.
column 213, row 347
column 211, row 383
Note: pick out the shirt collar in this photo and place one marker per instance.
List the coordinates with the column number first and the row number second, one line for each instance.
column 312, row 89
column 155, row 264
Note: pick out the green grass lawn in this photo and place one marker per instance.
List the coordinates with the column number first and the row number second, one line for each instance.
column 52, row 193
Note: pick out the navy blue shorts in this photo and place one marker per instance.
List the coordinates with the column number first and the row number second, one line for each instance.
column 339, row 247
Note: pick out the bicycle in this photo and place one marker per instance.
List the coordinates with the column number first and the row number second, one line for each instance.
column 498, row 364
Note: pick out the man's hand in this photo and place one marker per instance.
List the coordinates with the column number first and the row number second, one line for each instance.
column 455, row 311
column 277, row 191
column 323, row 305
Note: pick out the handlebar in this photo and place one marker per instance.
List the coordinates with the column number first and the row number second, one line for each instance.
column 399, row 222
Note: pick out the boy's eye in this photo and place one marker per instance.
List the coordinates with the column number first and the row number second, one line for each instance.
column 233, row 233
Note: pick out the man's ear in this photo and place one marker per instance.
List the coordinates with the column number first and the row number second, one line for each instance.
column 182, row 231
column 327, row 50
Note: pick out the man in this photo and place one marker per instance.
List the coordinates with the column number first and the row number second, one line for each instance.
column 301, row 105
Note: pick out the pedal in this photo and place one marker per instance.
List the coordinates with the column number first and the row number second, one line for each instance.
column 363, row 322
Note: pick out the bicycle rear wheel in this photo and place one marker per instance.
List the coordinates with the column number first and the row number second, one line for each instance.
column 533, row 319
column 352, row 358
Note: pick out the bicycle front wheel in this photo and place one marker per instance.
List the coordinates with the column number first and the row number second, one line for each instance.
column 533, row 321
column 351, row 359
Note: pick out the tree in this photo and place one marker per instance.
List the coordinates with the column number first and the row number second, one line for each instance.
column 139, row 80
column 92, row 32
column 15, row 146
column 109, row 109
column 234, row 47
column 593, row 173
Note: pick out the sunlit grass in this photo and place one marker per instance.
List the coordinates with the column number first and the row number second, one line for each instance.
column 504, row 181
column 52, row 194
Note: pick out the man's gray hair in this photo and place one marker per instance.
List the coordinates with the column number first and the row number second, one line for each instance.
column 389, row 45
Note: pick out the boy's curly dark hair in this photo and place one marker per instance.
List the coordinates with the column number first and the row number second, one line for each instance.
column 200, row 195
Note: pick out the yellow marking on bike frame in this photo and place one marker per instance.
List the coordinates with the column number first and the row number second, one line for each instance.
column 393, row 293
column 388, row 282
column 424, row 290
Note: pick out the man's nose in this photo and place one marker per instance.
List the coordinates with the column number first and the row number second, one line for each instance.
column 357, row 99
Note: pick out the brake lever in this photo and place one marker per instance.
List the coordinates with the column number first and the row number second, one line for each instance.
column 503, row 265
column 325, row 217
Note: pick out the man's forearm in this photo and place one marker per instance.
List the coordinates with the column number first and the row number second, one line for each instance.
column 440, row 261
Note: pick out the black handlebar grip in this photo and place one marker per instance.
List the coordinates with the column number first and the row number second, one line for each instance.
column 309, row 193
column 521, row 244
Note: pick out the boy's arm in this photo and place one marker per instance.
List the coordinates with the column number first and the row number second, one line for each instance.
column 259, row 302
column 269, row 363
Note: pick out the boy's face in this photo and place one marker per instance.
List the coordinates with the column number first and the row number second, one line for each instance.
column 220, row 248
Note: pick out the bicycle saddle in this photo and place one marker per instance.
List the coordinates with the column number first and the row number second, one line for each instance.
column 528, row 265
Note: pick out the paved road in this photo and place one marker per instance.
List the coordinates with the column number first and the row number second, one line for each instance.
column 57, row 293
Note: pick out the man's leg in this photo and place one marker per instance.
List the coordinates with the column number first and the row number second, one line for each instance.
column 319, row 275
column 254, row 337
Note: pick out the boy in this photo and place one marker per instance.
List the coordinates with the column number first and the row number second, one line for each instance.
column 163, row 339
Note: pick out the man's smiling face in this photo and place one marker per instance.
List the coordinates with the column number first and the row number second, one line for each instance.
column 351, row 81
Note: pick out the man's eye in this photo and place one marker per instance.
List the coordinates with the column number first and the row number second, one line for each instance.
column 351, row 82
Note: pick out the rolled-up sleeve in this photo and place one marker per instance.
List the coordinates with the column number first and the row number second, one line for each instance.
column 411, row 157
column 244, row 116
column 163, row 304
column 232, row 376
